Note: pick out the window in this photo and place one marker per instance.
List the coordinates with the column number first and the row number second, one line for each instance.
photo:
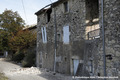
column 58, row 37
column 66, row 35
column 38, row 20
column 44, row 34
column 48, row 14
column 66, row 6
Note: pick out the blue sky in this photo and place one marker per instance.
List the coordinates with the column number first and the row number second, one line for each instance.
column 31, row 6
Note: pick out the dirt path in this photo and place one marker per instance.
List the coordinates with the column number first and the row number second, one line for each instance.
column 15, row 72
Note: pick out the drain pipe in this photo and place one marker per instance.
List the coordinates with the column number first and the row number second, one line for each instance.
column 103, row 36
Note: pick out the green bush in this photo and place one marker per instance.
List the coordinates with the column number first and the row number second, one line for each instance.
column 18, row 57
column 29, row 60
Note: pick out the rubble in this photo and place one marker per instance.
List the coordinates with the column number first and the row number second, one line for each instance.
column 32, row 70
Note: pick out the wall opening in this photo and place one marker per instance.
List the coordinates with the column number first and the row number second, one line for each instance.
column 44, row 34
column 48, row 14
column 66, row 35
column 38, row 19
column 65, row 58
column 58, row 37
column 98, row 74
column 92, row 19
column 66, row 6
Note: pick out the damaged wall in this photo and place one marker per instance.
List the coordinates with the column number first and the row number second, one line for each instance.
column 111, row 24
column 112, row 38
column 65, row 52
column 81, row 15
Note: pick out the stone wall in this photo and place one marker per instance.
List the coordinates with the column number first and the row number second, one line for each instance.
column 112, row 31
column 79, row 47
column 65, row 52
column 111, row 24
column 92, row 19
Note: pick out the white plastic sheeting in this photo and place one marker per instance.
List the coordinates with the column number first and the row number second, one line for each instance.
column 66, row 34
column 44, row 34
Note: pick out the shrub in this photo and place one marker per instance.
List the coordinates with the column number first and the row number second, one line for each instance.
column 18, row 57
column 29, row 60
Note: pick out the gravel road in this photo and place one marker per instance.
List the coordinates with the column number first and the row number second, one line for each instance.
column 15, row 72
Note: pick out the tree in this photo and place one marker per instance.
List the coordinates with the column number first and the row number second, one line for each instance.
column 10, row 23
column 22, row 43
column 15, row 39
column 22, row 40
column 3, row 40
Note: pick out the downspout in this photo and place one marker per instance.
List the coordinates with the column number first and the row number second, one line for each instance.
column 103, row 36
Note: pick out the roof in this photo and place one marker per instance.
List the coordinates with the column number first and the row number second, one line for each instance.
column 44, row 9
column 31, row 27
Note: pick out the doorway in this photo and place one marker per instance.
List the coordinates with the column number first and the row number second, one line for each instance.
column 75, row 66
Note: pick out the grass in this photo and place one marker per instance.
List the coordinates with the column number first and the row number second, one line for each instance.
column 2, row 77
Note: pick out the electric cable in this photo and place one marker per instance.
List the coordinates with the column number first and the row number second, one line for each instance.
column 24, row 11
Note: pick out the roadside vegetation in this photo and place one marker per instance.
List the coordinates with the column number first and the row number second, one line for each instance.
column 17, row 42
column 2, row 77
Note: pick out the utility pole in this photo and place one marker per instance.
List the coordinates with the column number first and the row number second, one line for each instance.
column 55, row 45
column 103, row 37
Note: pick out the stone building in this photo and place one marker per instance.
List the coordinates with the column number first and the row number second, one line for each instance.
column 70, row 41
